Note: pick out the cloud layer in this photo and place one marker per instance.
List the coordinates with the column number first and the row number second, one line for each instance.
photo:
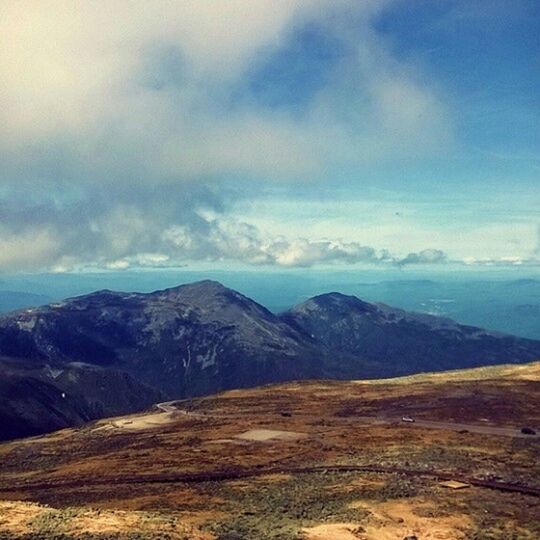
column 125, row 125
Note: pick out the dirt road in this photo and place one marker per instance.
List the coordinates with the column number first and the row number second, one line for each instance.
column 168, row 407
column 485, row 429
column 472, row 428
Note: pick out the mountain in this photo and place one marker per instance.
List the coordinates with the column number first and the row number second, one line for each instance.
column 110, row 352
column 37, row 397
column 188, row 340
column 402, row 342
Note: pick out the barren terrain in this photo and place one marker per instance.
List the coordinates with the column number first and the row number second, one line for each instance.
column 319, row 460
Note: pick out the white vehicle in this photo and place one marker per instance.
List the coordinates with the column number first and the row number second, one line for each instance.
column 407, row 419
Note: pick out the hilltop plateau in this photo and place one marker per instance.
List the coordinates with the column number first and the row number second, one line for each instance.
column 312, row 460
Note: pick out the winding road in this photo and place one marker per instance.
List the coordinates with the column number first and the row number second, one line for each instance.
column 484, row 429
column 472, row 428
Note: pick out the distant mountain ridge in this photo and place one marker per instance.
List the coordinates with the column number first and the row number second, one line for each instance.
column 406, row 342
column 203, row 337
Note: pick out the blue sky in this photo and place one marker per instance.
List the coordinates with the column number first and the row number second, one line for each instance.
column 269, row 134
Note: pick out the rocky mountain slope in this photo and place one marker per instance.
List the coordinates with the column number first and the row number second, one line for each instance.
column 401, row 342
column 189, row 340
column 111, row 352
column 37, row 398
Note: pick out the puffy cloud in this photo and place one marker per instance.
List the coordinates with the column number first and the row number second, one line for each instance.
column 237, row 241
column 303, row 252
column 130, row 87
column 34, row 249
column 123, row 122
column 426, row 256
column 229, row 240
column 123, row 241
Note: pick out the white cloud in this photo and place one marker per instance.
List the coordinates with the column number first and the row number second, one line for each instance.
column 505, row 262
column 229, row 240
column 34, row 249
column 218, row 239
column 80, row 71
column 426, row 256
column 120, row 264
column 109, row 156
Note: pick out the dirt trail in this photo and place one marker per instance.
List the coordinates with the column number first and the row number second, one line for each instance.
column 168, row 407
column 236, row 473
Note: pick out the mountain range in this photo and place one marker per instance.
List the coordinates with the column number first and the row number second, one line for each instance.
column 110, row 353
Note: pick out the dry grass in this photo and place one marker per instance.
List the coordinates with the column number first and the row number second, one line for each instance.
column 23, row 518
column 337, row 418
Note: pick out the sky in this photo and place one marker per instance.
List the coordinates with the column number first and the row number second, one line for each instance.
column 270, row 134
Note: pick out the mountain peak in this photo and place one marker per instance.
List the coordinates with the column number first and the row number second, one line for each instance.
column 205, row 286
column 206, row 294
column 335, row 301
column 102, row 296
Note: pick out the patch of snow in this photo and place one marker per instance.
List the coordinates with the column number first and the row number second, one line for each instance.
column 52, row 372
column 208, row 359
column 27, row 324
